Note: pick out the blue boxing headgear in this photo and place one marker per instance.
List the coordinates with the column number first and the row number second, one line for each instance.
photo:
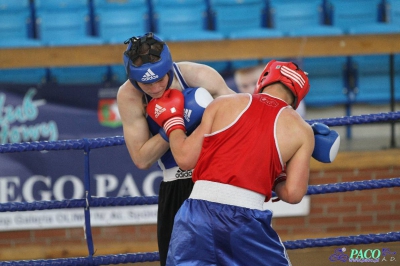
column 147, row 72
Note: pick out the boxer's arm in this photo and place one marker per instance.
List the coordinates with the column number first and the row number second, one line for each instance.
column 143, row 149
column 200, row 75
column 293, row 189
column 186, row 149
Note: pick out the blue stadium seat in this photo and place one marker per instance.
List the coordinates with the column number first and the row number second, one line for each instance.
column 79, row 75
column 373, row 78
column 220, row 66
column 238, row 64
column 397, row 76
column 185, row 20
column 31, row 76
column 182, row 20
column 300, row 18
column 393, row 12
column 327, row 80
column 245, row 19
column 360, row 17
column 118, row 74
column 241, row 20
column 16, row 27
column 64, row 22
column 116, row 21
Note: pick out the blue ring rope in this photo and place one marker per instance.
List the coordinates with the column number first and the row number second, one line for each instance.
column 154, row 256
column 131, row 201
column 96, row 143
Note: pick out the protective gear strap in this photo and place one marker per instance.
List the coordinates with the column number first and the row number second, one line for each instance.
column 137, row 42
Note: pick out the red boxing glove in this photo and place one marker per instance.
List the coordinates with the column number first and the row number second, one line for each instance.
column 167, row 111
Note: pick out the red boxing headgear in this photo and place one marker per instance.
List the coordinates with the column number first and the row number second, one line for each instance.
column 287, row 73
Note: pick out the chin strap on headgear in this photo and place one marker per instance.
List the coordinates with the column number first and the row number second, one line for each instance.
column 147, row 71
column 287, row 73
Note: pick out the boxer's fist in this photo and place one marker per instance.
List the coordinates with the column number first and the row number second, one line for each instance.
column 196, row 100
column 327, row 143
column 167, row 111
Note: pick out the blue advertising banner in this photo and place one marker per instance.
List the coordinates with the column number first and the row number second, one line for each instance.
column 54, row 112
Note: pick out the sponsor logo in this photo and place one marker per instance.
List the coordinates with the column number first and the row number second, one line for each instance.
column 158, row 110
column 269, row 102
column 187, row 113
column 19, row 123
column 362, row 256
column 293, row 75
column 149, row 75
column 183, row 174
column 108, row 113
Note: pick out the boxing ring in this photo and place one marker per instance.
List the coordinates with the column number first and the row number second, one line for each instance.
column 88, row 202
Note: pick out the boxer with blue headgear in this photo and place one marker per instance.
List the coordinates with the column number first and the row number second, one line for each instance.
column 151, row 73
column 151, row 66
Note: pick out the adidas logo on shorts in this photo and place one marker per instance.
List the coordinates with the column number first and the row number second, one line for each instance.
column 149, row 75
column 183, row 173
column 158, row 110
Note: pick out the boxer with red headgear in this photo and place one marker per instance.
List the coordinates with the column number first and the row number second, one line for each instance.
column 288, row 74
column 246, row 146
column 327, row 141
column 151, row 71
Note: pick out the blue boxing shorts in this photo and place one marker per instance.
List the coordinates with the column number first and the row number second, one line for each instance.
column 214, row 233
